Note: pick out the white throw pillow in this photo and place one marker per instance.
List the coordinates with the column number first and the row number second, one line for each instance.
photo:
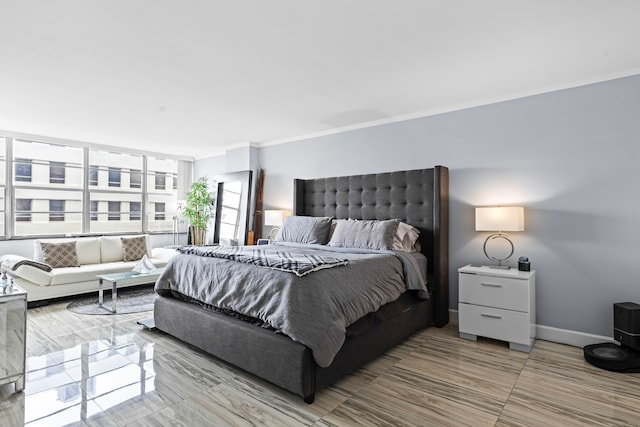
column 88, row 250
column 111, row 249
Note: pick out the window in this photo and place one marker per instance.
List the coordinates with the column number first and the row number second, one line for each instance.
column 135, row 178
column 135, row 213
column 57, row 190
column 56, row 172
column 161, row 181
column 119, row 184
column 56, row 210
column 23, row 170
column 159, row 210
column 114, row 211
column 93, row 215
column 3, row 184
column 23, row 210
column 52, row 177
column 161, row 194
column 93, row 175
column 114, row 177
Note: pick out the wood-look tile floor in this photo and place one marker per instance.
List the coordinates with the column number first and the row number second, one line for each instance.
column 108, row 371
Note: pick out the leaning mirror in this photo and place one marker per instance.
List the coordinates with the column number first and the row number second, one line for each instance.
column 233, row 199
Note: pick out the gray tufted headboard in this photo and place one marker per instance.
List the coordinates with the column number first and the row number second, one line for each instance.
column 417, row 197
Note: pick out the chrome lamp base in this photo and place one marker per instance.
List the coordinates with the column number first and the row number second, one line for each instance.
column 499, row 261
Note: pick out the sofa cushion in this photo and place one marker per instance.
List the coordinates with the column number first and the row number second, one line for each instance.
column 134, row 248
column 111, row 249
column 60, row 254
column 88, row 250
column 61, row 276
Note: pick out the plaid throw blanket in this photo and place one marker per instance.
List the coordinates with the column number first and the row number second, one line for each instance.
column 297, row 263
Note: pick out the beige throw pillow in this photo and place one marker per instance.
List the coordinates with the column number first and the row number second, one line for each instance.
column 134, row 248
column 60, row 254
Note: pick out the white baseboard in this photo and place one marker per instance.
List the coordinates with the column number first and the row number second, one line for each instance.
column 560, row 336
column 566, row 336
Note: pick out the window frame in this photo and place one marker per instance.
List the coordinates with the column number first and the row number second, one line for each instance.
column 57, row 215
column 75, row 195
column 111, row 180
column 114, row 214
column 94, row 213
column 23, row 213
column 60, row 168
column 22, row 162
column 160, row 215
column 94, row 169
column 138, row 174
column 137, row 213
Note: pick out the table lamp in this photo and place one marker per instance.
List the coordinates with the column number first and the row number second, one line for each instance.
column 274, row 218
column 499, row 219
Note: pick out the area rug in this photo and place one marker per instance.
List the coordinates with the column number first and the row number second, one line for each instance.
column 134, row 300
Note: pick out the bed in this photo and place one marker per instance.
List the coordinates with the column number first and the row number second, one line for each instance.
column 418, row 198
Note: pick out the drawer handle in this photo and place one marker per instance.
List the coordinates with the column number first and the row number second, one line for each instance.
column 491, row 285
column 493, row 316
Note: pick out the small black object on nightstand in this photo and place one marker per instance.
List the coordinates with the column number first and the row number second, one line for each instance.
column 263, row 241
column 524, row 264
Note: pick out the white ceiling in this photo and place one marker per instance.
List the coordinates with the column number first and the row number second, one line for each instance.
column 193, row 77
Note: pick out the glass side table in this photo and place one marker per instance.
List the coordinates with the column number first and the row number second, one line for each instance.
column 129, row 277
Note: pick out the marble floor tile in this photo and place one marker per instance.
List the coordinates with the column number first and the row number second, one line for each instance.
column 108, row 371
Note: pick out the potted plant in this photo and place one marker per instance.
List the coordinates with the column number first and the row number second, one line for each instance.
column 198, row 210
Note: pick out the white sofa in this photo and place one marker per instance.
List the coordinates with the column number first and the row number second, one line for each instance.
column 96, row 255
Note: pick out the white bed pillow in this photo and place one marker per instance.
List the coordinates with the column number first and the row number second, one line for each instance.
column 405, row 238
column 364, row 234
column 305, row 229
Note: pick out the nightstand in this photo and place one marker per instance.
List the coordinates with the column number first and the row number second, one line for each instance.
column 498, row 304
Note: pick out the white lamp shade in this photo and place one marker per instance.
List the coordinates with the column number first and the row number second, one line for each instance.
column 274, row 218
column 500, row 218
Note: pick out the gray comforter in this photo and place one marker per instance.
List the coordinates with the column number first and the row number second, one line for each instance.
column 314, row 310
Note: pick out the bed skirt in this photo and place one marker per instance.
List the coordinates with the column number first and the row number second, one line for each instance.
column 275, row 357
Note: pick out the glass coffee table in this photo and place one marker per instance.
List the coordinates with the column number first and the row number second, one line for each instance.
column 127, row 277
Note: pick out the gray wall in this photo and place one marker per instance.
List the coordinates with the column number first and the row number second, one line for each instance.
column 570, row 157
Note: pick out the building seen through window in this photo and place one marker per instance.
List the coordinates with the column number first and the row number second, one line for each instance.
column 56, row 172
column 114, row 177
column 60, row 190
column 23, row 170
column 93, row 175
column 114, row 211
column 93, row 211
column 135, row 211
column 135, row 178
column 23, row 210
column 56, row 210
column 159, row 211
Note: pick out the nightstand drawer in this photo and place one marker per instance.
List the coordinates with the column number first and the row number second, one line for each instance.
column 507, row 325
column 490, row 291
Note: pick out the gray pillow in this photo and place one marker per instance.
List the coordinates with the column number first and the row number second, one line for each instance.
column 134, row 248
column 366, row 234
column 63, row 254
column 305, row 229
